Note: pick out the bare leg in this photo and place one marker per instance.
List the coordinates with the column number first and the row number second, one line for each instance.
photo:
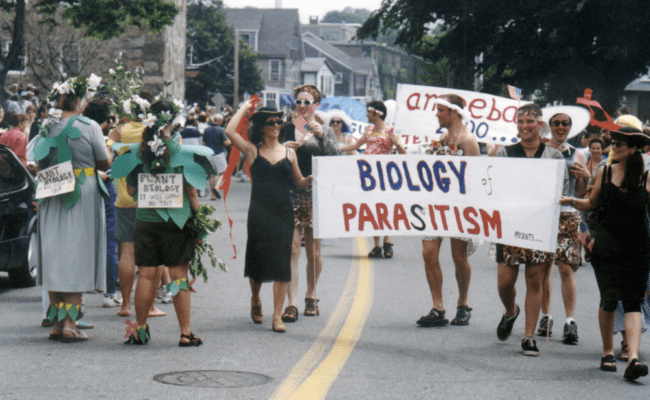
column 546, row 291
column 154, row 311
column 430, row 254
column 212, row 186
column 165, row 278
column 255, row 292
column 376, row 239
column 534, row 275
column 312, row 250
column 145, row 292
column 606, row 323
column 569, row 288
column 386, row 239
column 507, row 277
column 219, row 180
column 463, row 269
column 126, row 274
column 633, row 329
column 75, row 298
column 292, row 292
column 182, row 301
column 279, row 291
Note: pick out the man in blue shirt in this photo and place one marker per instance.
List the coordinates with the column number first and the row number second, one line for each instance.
column 215, row 138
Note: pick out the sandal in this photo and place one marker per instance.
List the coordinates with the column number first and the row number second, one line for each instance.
column 623, row 356
column 290, row 314
column 77, row 336
column 434, row 318
column 311, row 308
column 375, row 253
column 463, row 315
column 216, row 194
column 278, row 327
column 608, row 363
column 256, row 313
column 636, row 370
column 194, row 340
column 56, row 336
column 388, row 250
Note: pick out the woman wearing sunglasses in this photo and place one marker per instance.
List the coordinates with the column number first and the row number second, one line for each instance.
column 274, row 169
column 340, row 124
column 621, row 250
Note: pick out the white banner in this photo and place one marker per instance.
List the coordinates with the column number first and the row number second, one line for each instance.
column 492, row 119
column 506, row 200
column 55, row 180
column 160, row 191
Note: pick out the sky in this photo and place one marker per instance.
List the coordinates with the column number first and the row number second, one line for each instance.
column 307, row 8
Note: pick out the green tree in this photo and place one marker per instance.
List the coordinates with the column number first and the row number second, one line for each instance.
column 100, row 19
column 559, row 48
column 210, row 43
column 348, row 15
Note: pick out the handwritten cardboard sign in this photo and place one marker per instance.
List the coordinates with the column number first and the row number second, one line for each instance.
column 55, row 180
column 160, row 191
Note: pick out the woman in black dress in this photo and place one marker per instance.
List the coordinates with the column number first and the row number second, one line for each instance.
column 274, row 171
column 621, row 251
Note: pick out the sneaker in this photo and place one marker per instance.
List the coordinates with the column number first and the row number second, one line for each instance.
column 529, row 345
column 570, row 335
column 161, row 293
column 84, row 325
column 505, row 326
column 545, row 324
column 167, row 298
column 112, row 301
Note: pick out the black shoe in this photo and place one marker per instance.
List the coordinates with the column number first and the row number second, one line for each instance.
column 529, row 346
column 434, row 318
column 636, row 370
column 570, row 335
column 505, row 326
column 545, row 324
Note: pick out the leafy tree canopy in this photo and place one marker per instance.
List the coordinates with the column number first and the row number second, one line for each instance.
column 209, row 37
column 348, row 15
column 559, row 48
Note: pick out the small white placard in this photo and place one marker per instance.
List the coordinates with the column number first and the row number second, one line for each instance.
column 55, row 180
column 160, row 191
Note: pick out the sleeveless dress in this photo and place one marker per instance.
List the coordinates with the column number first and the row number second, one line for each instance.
column 621, row 251
column 379, row 142
column 270, row 221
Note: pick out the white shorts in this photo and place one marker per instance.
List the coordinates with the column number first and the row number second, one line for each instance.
column 218, row 162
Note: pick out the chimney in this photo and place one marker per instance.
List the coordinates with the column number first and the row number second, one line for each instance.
column 278, row 3
column 313, row 20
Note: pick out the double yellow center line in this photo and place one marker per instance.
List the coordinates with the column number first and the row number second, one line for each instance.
column 308, row 381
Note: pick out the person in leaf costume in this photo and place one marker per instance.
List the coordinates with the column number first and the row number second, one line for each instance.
column 163, row 236
column 71, row 226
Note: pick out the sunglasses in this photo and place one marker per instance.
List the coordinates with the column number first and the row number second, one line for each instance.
column 305, row 102
column 336, row 122
column 273, row 122
column 563, row 123
column 619, row 143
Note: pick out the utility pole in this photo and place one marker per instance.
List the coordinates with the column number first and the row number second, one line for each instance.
column 236, row 94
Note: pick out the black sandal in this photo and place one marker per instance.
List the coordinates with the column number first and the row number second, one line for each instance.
column 194, row 340
column 375, row 253
column 636, row 370
column 609, row 359
column 463, row 315
column 434, row 318
column 388, row 250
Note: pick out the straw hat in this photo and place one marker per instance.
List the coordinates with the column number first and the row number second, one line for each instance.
column 265, row 112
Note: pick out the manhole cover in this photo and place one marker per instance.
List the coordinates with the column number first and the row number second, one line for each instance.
column 214, row 379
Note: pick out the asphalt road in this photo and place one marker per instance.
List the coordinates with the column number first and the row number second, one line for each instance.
column 364, row 345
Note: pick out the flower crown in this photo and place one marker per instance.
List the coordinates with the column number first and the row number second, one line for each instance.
column 80, row 86
column 158, row 121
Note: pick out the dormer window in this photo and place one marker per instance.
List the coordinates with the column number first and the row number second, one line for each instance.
column 275, row 70
column 250, row 37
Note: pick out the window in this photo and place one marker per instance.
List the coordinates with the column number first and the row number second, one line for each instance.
column 275, row 70
column 360, row 82
column 327, row 87
column 339, row 78
column 270, row 100
column 69, row 62
column 250, row 37
column 22, row 60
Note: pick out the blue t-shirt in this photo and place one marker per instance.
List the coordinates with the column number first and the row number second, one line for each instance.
column 213, row 137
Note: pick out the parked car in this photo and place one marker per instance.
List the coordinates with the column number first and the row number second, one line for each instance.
column 18, row 238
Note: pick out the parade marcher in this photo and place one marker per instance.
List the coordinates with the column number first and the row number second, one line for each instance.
column 274, row 171
column 341, row 124
column 379, row 139
column 621, row 250
column 456, row 141
column 215, row 138
column 529, row 123
column 190, row 133
column 567, row 257
column 16, row 138
column 163, row 236
column 71, row 226
column 596, row 147
column 322, row 143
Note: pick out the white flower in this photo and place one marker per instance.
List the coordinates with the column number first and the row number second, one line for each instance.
column 119, row 68
column 126, row 106
column 141, row 102
column 66, row 87
column 117, row 60
column 157, row 146
column 93, row 82
column 111, row 71
column 148, row 120
column 55, row 113
column 178, row 103
column 459, row 152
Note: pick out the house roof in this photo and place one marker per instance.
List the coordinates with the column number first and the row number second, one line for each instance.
column 314, row 64
column 327, row 49
column 277, row 28
column 641, row 84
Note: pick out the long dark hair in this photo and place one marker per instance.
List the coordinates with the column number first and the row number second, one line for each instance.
column 147, row 156
column 256, row 132
column 634, row 165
